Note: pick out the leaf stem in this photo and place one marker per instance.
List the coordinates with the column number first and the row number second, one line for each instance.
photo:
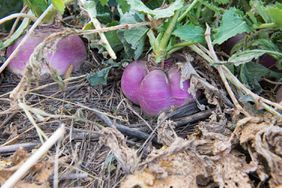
column 97, row 25
column 226, row 76
column 221, row 73
column 112, row 28
column 201, row 53
column 161, row 52
column 211, row 6
column 17, row 15
column 242, row 87
column 266, row 26
column 187, row 10
column 178, row 47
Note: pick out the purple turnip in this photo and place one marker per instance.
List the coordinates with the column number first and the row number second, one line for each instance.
column 131, row 80
column 230, row 43
column 266, row 60
column 179, row 91
column 69, row 51
column 155, row 91
column 155, row 95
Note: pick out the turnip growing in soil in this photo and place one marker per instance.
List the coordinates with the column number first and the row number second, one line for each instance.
column 69, row 51
column 266, row 60
column 155, row 91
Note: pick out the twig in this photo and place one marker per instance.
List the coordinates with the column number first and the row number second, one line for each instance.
column 12, row 140
column 139, row 116
column 272, row 82
column 43, row 113
column 83, row 135
column 230, row 92
column 72, row 176
column 17, row 21
column 221, row 73
column 15, row 147
column 225, row 73
column 256, row 97
column 40, row 133
column 185, row 110
column 193, row 118
column 17, row 15
column 58, row 134
column 5, row 121
column 113, row 28
column 56, row 165
column 122, row 128
column 97, row 25
column 38, row 21
column 200, row 52
column 48, row 85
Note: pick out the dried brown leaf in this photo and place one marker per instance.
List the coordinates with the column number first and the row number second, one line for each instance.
column 177, row 170
column 11, row 164
column 43, row 171
column 19, row 156
column 23, row 184
column 126, row 156
column 231, row 172
column 166, row 133
column 212, row 93
column 265, row 146
column 248, row 127
column 264, row 141
column 178, row 145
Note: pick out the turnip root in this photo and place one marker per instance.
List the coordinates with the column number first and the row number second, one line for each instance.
column 155, row 94
column 131, row 80
column 179, row 91
column 69, row 50
column 155, row 91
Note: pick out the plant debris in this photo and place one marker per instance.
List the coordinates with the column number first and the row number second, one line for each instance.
column 229, row 136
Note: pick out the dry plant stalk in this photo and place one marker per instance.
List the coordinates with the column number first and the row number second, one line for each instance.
column 221, row 73
column 126, row 157
column 57, row 135
column 226, row 75
column 17, row 15
column 97, row 25
column 17, row 21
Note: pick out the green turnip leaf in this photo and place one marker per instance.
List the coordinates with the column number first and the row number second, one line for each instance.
column 248, row 55
column 59, row 5
column 100, row 77
column 275, row 14
column 37, row 6
column 232, row 24
column 134, row 37
column 123, row 5
column 252, row 73
column 158, row 13
column 104, row 2
column 190, row 33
